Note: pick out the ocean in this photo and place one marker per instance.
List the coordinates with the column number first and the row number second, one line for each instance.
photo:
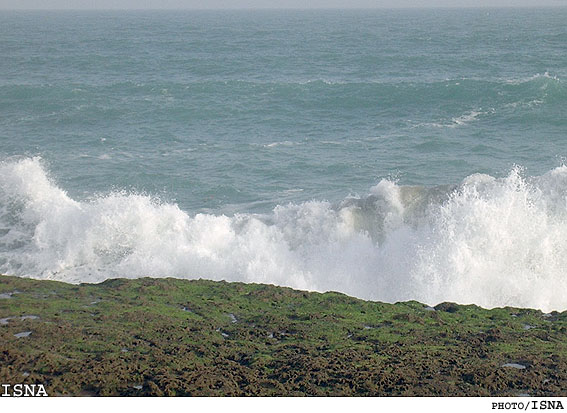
column 391, row 155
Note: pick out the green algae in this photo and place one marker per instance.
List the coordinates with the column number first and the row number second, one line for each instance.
column 203, row 338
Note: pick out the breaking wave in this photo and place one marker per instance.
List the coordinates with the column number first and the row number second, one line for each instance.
column 488, row 241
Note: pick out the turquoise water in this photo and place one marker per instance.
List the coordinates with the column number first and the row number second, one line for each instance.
column 411, row 154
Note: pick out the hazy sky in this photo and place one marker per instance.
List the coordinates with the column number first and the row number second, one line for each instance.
column 236, row 4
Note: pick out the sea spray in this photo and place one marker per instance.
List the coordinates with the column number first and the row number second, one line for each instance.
column 488, row 241
column 498, row 242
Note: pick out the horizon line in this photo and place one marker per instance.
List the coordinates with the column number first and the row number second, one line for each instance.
column 547, row 6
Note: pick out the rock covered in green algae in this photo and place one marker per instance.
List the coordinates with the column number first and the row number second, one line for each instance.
column 203, row 338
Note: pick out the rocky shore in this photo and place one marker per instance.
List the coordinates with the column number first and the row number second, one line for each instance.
column 170, row 337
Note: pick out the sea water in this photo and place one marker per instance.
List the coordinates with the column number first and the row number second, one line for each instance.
column 387, row 154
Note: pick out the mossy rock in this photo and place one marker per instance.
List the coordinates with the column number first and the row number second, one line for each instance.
column 171, row 337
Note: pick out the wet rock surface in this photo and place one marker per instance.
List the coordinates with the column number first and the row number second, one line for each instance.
column 249, row 339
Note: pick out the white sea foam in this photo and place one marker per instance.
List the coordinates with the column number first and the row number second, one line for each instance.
column 537, row 76
column 466, row 118
column 488, row 241
column 282, row 143
column 455, row 122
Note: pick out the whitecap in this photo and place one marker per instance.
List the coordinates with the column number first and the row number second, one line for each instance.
column 489, row 241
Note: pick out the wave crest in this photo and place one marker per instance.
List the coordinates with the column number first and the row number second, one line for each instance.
column 489, row 241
